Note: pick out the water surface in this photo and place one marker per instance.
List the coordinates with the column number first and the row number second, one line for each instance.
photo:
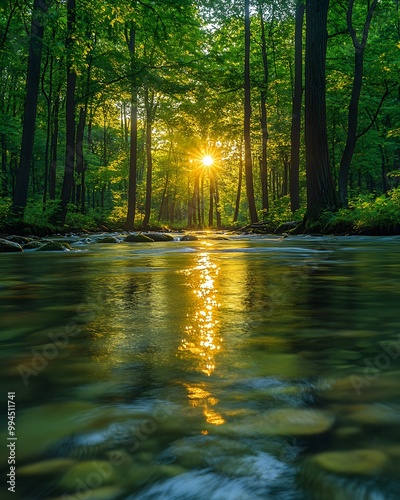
column 248, row 368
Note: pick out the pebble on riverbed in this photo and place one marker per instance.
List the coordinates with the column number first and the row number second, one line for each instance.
column 283, row 422
column 364, row 462
column 46, row 467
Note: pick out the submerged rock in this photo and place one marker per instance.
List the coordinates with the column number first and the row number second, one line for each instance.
column 33, row 245
column 159, row 236
column 21, row 240
column 364, row 462
column 375, row 414
column 9, row 246
column 107, row 474
column 103, row 493
column 189, row 237
column 138, row 238
column 54, row 246
column 45, row 467
column 298, row 422
column 282, row 422
column 108, row 239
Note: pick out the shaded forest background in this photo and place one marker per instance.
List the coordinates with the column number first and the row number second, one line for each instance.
column 108, row 109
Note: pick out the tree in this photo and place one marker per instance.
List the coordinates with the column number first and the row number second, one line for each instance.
column 263, row 119
column 320, row 186
column 130, row 36
column 247, row 115
column 352, row 123
column 296, row 109
column 40, row 7
column 70, row 146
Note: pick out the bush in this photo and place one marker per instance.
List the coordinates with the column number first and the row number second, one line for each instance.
column 366, row 215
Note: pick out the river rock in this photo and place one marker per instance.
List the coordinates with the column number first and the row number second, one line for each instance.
column 298, row 422
column 108, row 239
column 363, row 462
column 282, row 422
column 45, row 467
column 54, row 246
column 159, row 236
column 9, row 246
column 105, row 473
column 103, row 493
column 138, row 238
column 375, row 414
column 33, row 245
column 21, row 240
column 189, row 237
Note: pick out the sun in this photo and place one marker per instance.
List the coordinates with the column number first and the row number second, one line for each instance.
column 207, row 160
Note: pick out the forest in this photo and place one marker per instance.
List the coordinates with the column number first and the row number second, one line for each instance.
column 203, row 114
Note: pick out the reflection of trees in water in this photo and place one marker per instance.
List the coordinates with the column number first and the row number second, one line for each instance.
column 201, row 339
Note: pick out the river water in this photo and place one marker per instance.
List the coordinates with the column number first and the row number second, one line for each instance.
column 251, row 367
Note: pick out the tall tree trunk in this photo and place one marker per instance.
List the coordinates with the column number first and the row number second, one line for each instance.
column 69, row 167
column 54, row 147
column 40, row 7
column 239, row 188
column 352, row 120
column 320, row 187
column 217, row 207
column 4, row 183
column 150, row 115
column 247, row 115
column 163, row 199
column 211, row 210
column 80, row 161
column 296, row 110
column 264, row 126
column 49, row 97
column 130, row 218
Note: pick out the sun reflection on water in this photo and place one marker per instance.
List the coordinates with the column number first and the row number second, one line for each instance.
column 201, row 331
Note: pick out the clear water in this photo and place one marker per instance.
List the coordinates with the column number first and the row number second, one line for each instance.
column 252, row 368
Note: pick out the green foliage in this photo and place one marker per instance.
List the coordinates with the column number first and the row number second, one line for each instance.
column 366, row 214
column 280, row 212
column 5, row 210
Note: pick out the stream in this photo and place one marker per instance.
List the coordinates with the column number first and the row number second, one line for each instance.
column 231, row 368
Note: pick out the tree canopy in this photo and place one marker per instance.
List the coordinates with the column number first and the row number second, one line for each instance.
column 189, row 113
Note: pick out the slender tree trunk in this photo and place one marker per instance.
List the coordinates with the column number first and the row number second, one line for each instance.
column 296, row 110
column 211, row 210
column 4, row 183
column 69, row 167
column 80, row 162
column 217, row 207
column 320, row 187
column 49, row 97
column 163, row 198
column 247, row 115
column 54, row 147
column 385, row 183
column 264, row 126
column 359, row 49
column 40, row 7
column 130, row 219
column 239, row 188
column 150, row 112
